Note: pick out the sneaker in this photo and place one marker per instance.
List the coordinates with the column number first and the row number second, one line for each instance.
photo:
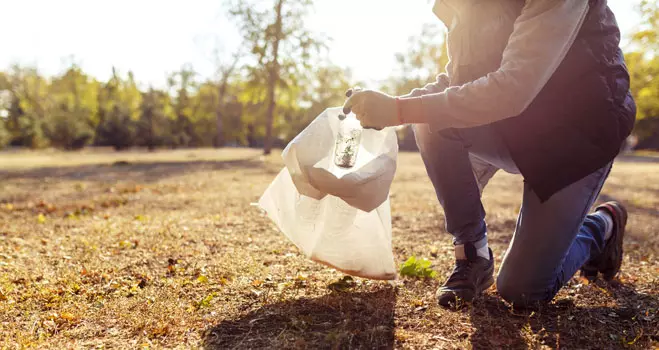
column 608, row 262
column 470, row 277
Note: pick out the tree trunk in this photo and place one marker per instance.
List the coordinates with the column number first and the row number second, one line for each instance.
column 273, row 78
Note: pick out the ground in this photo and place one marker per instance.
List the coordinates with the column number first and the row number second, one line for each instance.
column 166, row 250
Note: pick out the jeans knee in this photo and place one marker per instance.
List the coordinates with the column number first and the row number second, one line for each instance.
column 514, row 293
column 509, row 291
column 521, row 295
column 426, row 139
column 422, row 136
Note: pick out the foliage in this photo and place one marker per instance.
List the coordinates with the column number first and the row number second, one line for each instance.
column 68, row 130
column 269, row 90
column 4, row 134
column 119, row 102
column 5, row 98
column 26, row 110
column 155, row 121
column 73, row 110
column 643, row 66
column 425, row 57
column 419, row 268
column 648, row 36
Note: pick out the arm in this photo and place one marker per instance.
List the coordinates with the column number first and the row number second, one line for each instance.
column 441, row 83
column 543, row 34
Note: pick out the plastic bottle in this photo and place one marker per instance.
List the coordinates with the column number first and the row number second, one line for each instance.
column 348, row 140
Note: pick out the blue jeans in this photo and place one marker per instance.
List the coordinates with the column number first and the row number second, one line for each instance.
column 552, row 240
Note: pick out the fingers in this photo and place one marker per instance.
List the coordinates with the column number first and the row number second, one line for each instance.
column 352, row 100
column 352, row 90
column 363, row 120
column 354, row 103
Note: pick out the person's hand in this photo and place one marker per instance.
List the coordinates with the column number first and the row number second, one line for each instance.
column 373, row 109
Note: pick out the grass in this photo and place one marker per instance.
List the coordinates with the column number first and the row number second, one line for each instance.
column 165, row 250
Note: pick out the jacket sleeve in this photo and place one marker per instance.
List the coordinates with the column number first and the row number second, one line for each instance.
column 542, row 36
column 440, row 84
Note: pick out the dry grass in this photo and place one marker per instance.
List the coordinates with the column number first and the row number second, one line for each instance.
column 167, row 252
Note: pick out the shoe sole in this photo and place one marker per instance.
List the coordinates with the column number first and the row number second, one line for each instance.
column 459, row 302
column 451, row 298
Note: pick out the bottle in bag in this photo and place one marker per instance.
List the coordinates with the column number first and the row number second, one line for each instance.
column 348, row 140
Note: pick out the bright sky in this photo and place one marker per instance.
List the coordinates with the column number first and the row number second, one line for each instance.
column 154, row 37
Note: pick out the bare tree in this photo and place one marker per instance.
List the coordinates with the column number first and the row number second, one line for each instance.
column 275, row 33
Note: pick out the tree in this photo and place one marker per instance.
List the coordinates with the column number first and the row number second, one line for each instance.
column 28, row 94
column 119, row 107
column 233, row 126
column 72, row 109
column 4, row 134
column 648, row 37
column 643, row 66
column 5, row 97
column 226, row 71
column 425, row 57
column 182, row 84
column 155, row 123
column 280, row 47
column 205, row 106
column 326, row 88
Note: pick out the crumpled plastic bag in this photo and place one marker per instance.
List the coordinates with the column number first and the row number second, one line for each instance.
column 338, row 217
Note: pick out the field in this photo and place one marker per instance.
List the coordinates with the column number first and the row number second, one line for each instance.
column 164, row 250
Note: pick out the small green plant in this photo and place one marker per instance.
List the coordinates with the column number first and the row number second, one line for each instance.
column 205, row 302
column 419, row 268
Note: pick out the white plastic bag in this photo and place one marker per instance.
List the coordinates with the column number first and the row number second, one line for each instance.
column 337, row 217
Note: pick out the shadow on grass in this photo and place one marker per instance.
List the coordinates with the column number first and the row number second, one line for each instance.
column 336, row 320
column 564, row 325
column 637, row 158
column 139, row 171
column 631, row 206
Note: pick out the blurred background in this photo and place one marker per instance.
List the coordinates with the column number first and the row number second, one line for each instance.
column 232, row 73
